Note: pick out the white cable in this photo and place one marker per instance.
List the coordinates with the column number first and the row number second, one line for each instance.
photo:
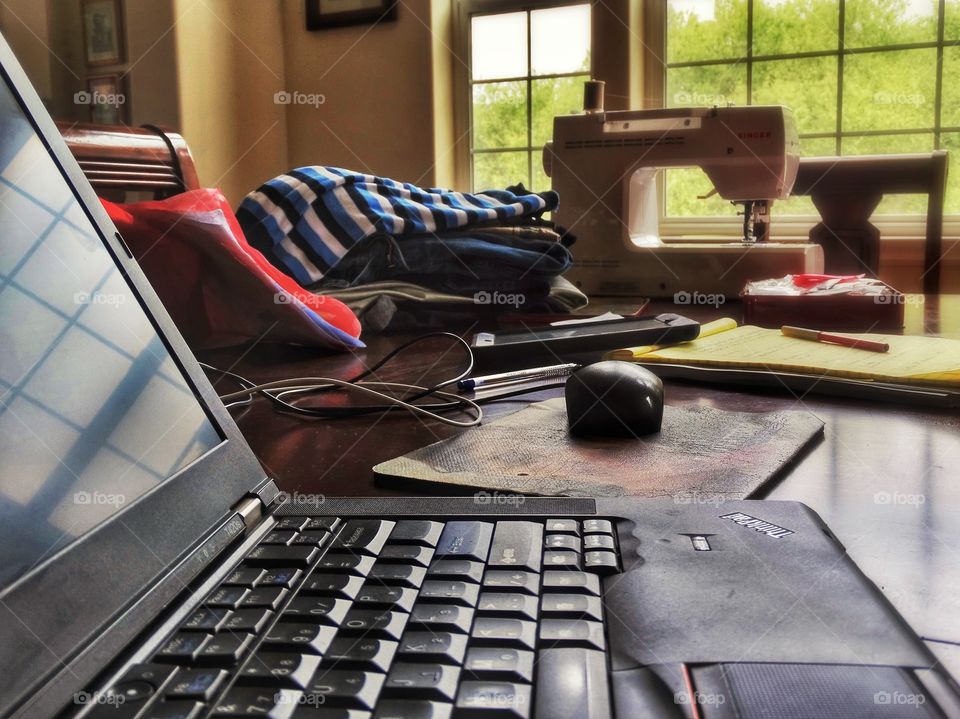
column 309, row 384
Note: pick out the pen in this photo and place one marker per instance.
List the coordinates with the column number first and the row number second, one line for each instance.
column 559, row 370
column 817, row 336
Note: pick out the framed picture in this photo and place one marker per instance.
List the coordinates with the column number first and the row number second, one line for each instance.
column 107, row 99
column 334, row 13
column 103, row 32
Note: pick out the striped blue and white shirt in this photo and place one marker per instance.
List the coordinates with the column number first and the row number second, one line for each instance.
column 306, row 220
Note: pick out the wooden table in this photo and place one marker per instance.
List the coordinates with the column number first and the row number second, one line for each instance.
column 886, row 478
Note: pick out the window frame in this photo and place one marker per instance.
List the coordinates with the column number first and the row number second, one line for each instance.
column 463, row 83
column 789, row 226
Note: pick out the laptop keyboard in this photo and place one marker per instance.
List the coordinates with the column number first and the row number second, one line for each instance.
column 378, row 618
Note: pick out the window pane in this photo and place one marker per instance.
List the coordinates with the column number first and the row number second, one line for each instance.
column 817, row 146
column 787, row 27
column 557, row 96
column 808, row 87
column 684, row 186
column 706, row 29
column 889, row 90
column 560, row 40
column 869, row 23
column 951, row 143
column 499, row 45
column 497, row 170
column 950, row 110
column 707, row 85
column 500, row 114
column 886, row 145
column 540, row 180
column 951, row 23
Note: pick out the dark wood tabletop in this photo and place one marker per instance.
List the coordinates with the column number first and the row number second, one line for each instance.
column 885, row 477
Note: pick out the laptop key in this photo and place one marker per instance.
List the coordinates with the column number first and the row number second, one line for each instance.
column 182, row 648
column 196, row 684
column 406, row 554
column 138, row 684
column 439, row 647
column 499, row 663
column 354, row 653
column 374, row 623
column 563, row 526
column 303, row 638
column 572, row 606
column 205, row 619
column 270, row 597
column 403, row 575
column 517, row 545
column 282, row 577
column 565, row 581
column 572, row 684
column 379, row 596
column 442, row 617
column 224, row 650
column 279, row 536
column 597, row 526
column 279, row 669
column 598, row 541
column 271, row 555
column 258, row 702
column 463, row 570
column 572, row 633
column 498, row 632
column 412, row 709
column 504, row 580
column 364, row 536
column 507, row 604
column 426, row 681
column 349, row 688
column 422, row 532
column 465, row 540
column 600, row 562
column 339, row 562
column 244, row 577
column 294, row 523
column 563, row 541
column 315, row 539
column 327, row 524
column 344, row 586
column 175, row 710
column 560, row 559
column 248, row 620
column 449, row 592
column 494, row 699
column 229, row 597
column 320, row 610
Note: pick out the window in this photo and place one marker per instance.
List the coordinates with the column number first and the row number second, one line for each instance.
column 525, row 67
column 862, row 77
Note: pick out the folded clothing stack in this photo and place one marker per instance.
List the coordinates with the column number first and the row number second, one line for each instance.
column 337, row 231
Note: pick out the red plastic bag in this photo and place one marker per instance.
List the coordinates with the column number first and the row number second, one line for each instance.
column 218, row 289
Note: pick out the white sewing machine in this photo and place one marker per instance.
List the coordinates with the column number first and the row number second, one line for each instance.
column 604, row 166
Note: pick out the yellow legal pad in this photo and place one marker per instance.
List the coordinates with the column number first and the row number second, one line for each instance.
column 912, row 360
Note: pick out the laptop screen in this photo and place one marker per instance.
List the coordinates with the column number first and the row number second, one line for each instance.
column 94, row 411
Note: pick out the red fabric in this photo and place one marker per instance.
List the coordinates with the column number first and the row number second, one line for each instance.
column 218, row 289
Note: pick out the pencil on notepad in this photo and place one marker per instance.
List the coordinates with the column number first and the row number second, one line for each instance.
column 818, row 336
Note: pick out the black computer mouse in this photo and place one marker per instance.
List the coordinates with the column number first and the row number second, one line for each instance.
column 613, row 399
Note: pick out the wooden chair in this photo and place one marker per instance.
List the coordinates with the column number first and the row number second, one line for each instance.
column 846, row 191
column 118, row 160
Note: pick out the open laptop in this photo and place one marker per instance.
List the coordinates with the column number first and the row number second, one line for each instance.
column 149, row 568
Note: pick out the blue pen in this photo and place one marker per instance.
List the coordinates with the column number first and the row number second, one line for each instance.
column 534, row 373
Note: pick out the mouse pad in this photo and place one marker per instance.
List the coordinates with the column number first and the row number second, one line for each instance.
column 700, row 454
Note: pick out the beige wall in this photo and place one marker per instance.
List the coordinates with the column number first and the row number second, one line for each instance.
column 25, row 25
column 377, row 83
column 230, row 64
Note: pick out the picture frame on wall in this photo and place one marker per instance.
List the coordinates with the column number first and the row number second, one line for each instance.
column 107, row 99
column 103, row 32
column 337, row 13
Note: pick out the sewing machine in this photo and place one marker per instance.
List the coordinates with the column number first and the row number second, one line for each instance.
column 604, row 166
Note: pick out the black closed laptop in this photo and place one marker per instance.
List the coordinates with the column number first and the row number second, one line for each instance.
column 149, row 568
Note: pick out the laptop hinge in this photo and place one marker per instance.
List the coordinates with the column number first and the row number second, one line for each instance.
column 250, row 510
